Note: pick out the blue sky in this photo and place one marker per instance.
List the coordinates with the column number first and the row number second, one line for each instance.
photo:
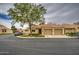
column 56, row 13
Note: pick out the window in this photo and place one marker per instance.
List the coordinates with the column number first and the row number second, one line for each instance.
column 4, row 30
column 33, row 30
column 26, row 30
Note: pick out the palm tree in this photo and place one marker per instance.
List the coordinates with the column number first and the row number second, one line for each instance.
column 27, row 13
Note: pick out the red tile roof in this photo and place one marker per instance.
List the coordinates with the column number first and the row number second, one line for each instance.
column 55, row 25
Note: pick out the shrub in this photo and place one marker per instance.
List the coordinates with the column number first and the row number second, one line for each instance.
column 71, row 34
column 32, row 35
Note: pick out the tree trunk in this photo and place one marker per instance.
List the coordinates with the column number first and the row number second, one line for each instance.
column 30, row 29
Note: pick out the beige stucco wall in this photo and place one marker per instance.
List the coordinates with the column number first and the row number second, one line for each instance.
column 0, row 31
column 78, row 29
column 7, row 31
column 42, row 31
column 36, row 31
column 54, row 30
column 28, row 31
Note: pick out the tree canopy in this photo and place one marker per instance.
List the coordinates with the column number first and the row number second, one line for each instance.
column 29, row 13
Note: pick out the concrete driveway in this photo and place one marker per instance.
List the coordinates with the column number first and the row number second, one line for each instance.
column 11, row 45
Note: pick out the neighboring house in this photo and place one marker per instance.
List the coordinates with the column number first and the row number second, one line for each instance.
column 4, row 30
column 19, row 30
column 26, row 31
column 53, row 29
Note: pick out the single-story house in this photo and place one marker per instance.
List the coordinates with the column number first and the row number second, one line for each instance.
column 4, row 30
column 53, row 29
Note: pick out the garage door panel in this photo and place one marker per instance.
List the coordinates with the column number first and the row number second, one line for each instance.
column 58, row 32
column 48, row 31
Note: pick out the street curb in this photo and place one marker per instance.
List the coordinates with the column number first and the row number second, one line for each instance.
column 44, row 37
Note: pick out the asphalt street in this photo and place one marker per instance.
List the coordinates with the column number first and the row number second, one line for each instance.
column 11, row 45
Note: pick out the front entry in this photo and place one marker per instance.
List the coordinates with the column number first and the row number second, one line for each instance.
column 40, row 32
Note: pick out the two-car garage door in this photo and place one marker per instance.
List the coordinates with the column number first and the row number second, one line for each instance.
column 50, row 32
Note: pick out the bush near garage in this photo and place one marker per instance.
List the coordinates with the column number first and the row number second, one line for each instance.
column 71, row 34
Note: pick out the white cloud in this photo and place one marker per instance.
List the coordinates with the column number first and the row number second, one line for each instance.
column 5, row 23
column 4, row 7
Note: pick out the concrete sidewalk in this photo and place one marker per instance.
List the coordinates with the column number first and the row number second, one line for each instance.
column 57, row 36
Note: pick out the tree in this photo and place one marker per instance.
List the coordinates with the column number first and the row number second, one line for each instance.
column 27, row 13
column 13, row 28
